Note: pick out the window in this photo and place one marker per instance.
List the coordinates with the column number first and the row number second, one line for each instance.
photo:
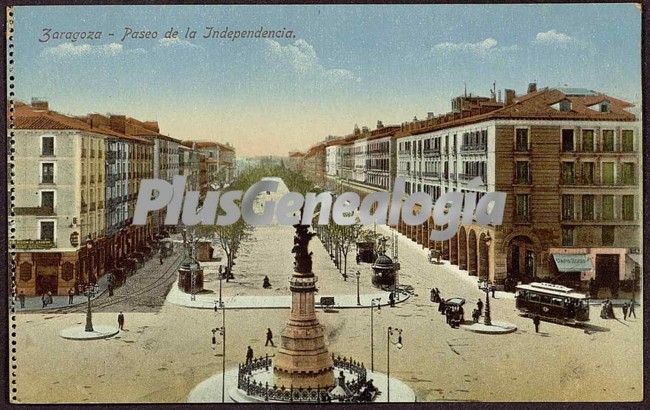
column 608, row 140
column 567, row 141
column 587, row 173
column 567, row 207
column 522, row 172
column 521, row 139
column 522, row 207
column 588, row 140
column 628, row 140
column 608, row 235
column 627, row 210
column 608, row 207
column 567, row 236
column 565, row 105
column 47, row 230
column 608, row 173
column 587, row 207
column 604, row 106
column 628, row 173
column 47, row 199
column 47, row 146
column 568, row 172
column 47, row 173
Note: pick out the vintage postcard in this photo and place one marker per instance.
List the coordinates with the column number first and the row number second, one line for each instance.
column 325, row 203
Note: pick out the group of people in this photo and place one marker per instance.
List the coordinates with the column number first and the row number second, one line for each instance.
column 607, row 310
column 46, row 298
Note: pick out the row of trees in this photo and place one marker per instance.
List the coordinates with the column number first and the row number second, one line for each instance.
column 230, row 237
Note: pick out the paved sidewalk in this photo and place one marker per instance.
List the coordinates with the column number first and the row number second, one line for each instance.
column 463, row 274
column 207, row 300
column 33, row 303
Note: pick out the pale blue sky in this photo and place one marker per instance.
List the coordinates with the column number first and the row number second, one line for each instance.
column 346, row 65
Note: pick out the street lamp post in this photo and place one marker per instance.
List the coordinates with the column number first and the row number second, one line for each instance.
column 90, row 290
column 220, row 281
column 391, row 331
column 374, row 302
column 358, row 295
column 488, row 317
column 222, row 332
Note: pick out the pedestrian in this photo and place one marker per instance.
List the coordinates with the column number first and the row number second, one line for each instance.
column 161, row 257
column 110, row 289
column 358, row 259
column 475, row 315
column 624, row 307
column 437, row 295
column 269, row 337
column 21, row 298
column 479, row 306
column 120, row 321
column 631, row 309
column 249, row 355
column 70, row 296
column 266, row 283
column 536, row 323
column 441, row 306
column 49, row 297
column 43, row 300
column 391, row 299
column 493, row 288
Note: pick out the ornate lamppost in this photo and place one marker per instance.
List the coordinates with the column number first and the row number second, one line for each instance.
column 222, row 332
column 375, row 302
column 358, row 274
column 398, row 343
column 90, row 290
column 488, row 318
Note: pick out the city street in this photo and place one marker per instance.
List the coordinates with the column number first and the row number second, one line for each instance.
column 161, row 356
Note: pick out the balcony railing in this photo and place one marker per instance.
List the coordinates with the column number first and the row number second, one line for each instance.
column 468, row 177
column 523, row 180
column 431, row 174
column 618, row 182
column 520, row 219
column 35, row 210
column 473, row 148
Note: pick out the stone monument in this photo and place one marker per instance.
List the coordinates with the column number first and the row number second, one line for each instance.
column 302, row 360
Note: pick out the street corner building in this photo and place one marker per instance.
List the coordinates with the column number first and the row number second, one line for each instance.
column 567, row 158
column 75, row 184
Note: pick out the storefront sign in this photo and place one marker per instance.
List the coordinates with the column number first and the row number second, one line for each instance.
column 74, row 239
column 27, row 244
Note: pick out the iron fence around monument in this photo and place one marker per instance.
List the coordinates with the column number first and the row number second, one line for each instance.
column 263, row 391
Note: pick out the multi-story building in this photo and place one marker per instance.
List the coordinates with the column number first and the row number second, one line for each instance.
column 361, row 155
column 568, row 160
column 59, row 200
column 382, row 161
column 294, row 162
column 188, row 165
column 314, row 164
column 221, row 161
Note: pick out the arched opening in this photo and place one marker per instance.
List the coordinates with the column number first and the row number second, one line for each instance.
column 483, row 259
column 453, row 258
column 521, row 259
column 462, row 248
column 472, row 254
column 445, row 250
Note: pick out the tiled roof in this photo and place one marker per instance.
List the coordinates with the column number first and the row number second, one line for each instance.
column 28, row 117
column 536, row 106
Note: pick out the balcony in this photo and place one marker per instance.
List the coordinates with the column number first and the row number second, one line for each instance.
column 582, row 181
column 431, row 174
column 465, row 178
column 432, row 152
column 34, row 211
column 470, row 148
column 523, row 180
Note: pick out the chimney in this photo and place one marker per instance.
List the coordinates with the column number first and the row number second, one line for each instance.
column 40, row 105
column 118, row 123
column 380, row 124
column 510, row 96
column 532, row 87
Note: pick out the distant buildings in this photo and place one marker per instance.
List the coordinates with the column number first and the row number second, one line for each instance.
column 568, row 160
column 76, row 184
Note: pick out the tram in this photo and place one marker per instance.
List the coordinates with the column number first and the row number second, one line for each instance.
column 552, row 302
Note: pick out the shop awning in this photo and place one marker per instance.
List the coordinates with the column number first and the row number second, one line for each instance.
column 572, row 262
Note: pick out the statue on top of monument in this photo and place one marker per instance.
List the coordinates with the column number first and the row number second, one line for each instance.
column 302, row 262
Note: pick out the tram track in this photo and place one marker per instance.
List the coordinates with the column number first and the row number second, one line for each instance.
column 104, row 301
